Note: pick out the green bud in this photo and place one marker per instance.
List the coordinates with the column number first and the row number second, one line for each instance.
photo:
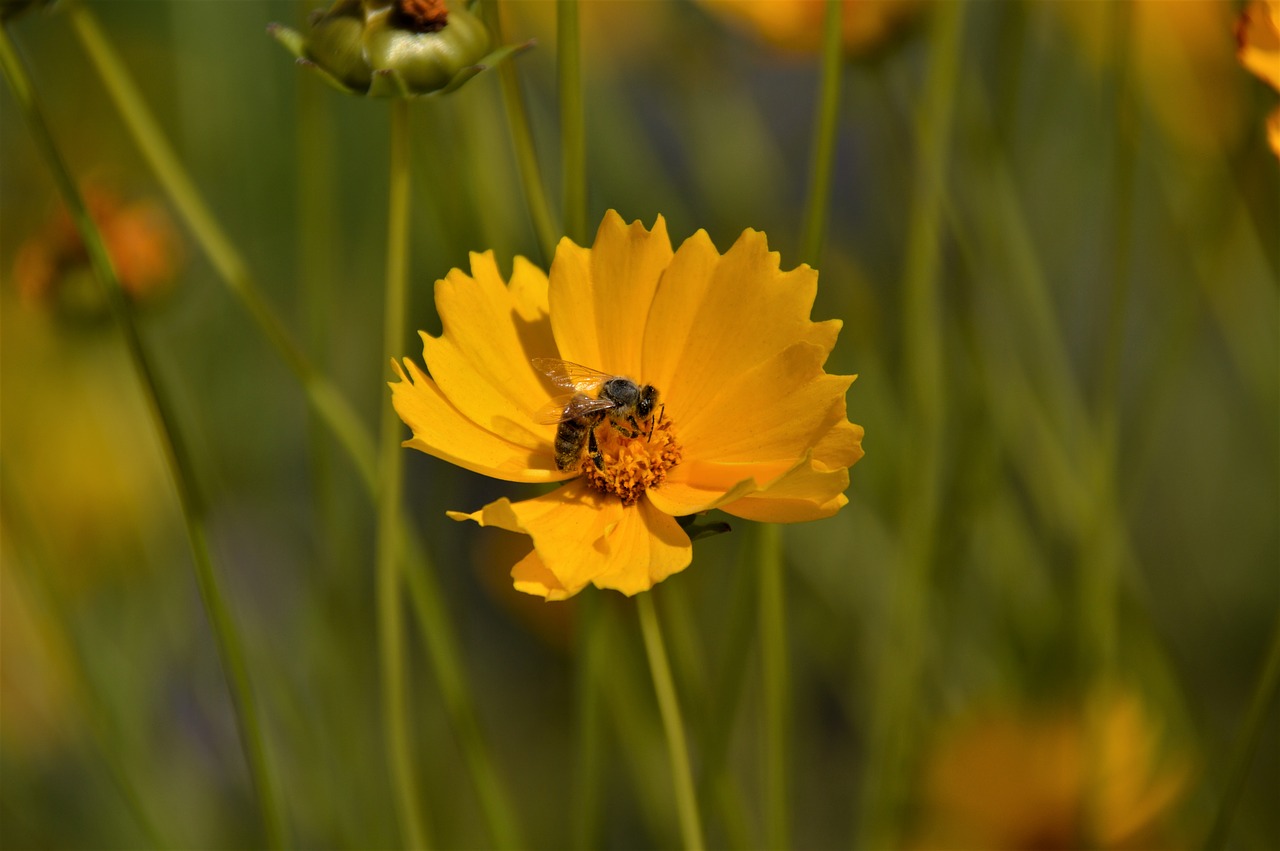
column 401, row 48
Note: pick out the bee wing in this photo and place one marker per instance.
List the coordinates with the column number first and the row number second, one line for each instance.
column 572, row 375
column 568, row 407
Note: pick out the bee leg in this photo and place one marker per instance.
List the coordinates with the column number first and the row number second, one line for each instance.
column 593, row 449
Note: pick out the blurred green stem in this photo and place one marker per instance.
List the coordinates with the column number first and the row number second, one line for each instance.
column 1264, row 696
column 573, row 137
column 826, row 128
column 588, row 729
column 896, row 709
column 433, row 617
column 324, row 398
column 389, row 534
column 316, row 255
column 673, row 724
column 777, row 686
column 1099, row 570
column 535, row 188
column 230, row 649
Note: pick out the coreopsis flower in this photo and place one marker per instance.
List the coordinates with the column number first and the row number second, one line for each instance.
column 394, row 48
column 1258, row 38
column 687, row 380
column 796, row 25
column 1070, row 777
column 52, row 267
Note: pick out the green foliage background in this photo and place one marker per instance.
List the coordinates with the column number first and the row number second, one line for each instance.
column 1101, row 275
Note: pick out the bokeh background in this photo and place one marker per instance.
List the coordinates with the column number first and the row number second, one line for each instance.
column 1089, row 551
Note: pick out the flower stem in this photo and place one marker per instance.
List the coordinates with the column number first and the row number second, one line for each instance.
column 591, row 656
column 673, row 724
column 1264, row 696
column 535, row 192
column 389, row 545
column 895, row 711
column 826, row 126
column 230, row 649
column 433, row 617
column 777, row 686
column 573, row 134
column 151, row 141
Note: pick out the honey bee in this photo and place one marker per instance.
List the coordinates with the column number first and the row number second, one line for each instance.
column 622, row 401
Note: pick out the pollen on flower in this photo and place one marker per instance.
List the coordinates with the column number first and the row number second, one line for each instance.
column 632, row 465
column 422, row 16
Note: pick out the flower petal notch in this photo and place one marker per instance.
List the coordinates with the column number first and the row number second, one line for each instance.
column 625, row 373
column 394, row 48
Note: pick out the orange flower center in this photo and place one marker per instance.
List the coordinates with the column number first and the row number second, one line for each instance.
column 632, row 465
column 422, row 16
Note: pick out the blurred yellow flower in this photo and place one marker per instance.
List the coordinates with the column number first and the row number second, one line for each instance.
column 797, row 24
column 1258, row 37
column 745, row 418
column 1013, row 778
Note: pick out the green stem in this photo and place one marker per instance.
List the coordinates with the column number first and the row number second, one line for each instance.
column 826, row 126
column 316, row 254
column 434, row 620
column 389, row 545
column 573, row 134
column 433, row 617
column 896, row 709
column 673, row 724
column 535, row 193
column 1099, row 571
column 777, row 686
column 1264, row 696
column 588, row 727
column 231, row 651
column 151, row 141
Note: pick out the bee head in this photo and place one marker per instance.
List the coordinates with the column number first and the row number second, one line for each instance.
column 648, row 399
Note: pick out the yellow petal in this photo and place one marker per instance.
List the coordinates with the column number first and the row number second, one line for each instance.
column 481, row 362
column 645, row 548
column 441, row 430
column 1258, row 36
column 804, row 493
column 682, row 498
column 531, row 576
column 600, row 298
column 581, row 537
column 779, row 409
column 1273, row 132
column 715, row 317
column 568, row 528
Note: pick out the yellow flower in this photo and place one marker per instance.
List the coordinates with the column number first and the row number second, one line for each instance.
column 1013, row 778
column 746, row 420
column 1258, row 37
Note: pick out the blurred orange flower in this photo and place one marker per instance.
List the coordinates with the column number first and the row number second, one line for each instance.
column 745, row 419
column 1258, row 38
column 796, row 25
column 52, row 266
column 1071, row 778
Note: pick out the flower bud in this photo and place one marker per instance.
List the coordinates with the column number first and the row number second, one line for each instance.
column 400, row 48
